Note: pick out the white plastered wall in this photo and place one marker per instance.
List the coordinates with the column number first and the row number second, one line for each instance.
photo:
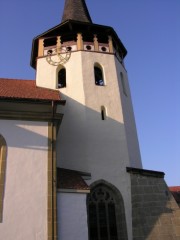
column 72, row 216
column 129, row 120
column 45, row 74
column 85, row 142
column 25, row 197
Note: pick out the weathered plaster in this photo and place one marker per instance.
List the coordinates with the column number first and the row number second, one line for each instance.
column 25, row 195
column 72, row 216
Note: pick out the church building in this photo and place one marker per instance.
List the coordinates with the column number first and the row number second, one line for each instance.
column 70, row 164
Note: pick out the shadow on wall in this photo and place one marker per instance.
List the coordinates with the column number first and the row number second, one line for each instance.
column 82, row 125
column 25, row 134
column 155, row 214
column 23, row 179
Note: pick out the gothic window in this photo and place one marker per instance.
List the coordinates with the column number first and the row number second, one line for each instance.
column 106, row 213
column 102, row 214
column 62, row 78
column 98, row 74
column 123, row 84
column 2, row 172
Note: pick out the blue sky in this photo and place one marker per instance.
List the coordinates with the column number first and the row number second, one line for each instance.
column 150, row 30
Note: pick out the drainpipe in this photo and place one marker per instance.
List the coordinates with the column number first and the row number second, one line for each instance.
column 53, row 177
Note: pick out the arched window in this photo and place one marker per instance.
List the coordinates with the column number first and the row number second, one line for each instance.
column 105, row 214
column 98, row 74
column 62, row 78
column 3, row 150
column 123, row 84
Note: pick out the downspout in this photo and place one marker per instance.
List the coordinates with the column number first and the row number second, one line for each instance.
column 53, row 177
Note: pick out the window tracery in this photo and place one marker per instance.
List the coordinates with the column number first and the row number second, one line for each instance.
column 106, row 213
column 102, row 216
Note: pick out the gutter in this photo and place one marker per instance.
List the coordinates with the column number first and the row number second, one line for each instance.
column 31, row 100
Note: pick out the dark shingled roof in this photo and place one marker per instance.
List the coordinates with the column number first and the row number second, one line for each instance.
column 26, row 89
column 76, row 10
column 70, row 179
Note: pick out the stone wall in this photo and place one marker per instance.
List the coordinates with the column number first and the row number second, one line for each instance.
column 155, row 213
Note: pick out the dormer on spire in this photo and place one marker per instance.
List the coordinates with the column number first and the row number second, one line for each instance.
column 76, row 10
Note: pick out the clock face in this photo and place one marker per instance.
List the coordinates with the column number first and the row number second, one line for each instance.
column 59, row 56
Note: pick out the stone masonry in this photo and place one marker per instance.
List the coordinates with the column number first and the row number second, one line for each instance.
column 155, row 213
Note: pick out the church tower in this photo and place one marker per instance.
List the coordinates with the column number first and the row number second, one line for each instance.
column 70, row 166
column 85, row 61
column 97, row 139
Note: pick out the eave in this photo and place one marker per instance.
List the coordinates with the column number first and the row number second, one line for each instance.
column 32, row 100
column 30, row 110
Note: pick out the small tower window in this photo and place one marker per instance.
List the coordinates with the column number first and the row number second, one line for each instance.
column 62, row 78
column 123, row 84
column 98, row 74
column 103, row 113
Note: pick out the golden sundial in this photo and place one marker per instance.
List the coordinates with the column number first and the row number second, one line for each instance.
column 58, row 56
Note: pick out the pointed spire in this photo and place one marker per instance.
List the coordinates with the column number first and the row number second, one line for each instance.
column 76, row 10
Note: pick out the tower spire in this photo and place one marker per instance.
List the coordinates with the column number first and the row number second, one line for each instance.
column 76, row 10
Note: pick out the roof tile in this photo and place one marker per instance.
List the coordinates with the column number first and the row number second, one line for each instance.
column 176, row 193
column 26, row 89
column 70, row 179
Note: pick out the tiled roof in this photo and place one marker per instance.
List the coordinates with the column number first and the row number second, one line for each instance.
column 26, row 89
column 76, row 10
column 176, row 193
column 70, row 179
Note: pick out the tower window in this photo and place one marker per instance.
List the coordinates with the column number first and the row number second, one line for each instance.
column 98, row 74
column 103, row 113
column 49, row 52
column 123, row 84
column 68, row 49
column 88, row 47
column 62, row 78
column 104, row 49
